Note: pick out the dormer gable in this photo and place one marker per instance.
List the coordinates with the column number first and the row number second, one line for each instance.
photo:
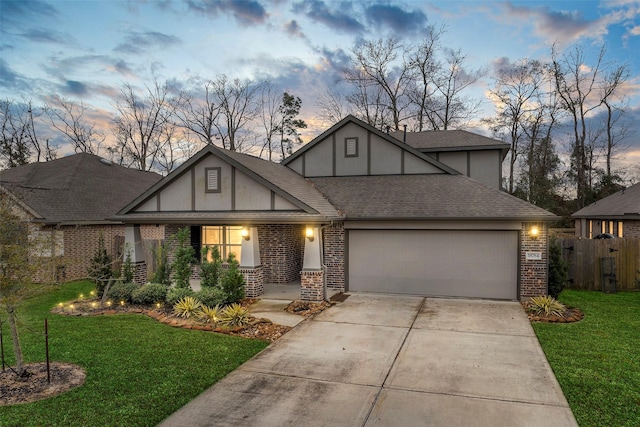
column 353, row 148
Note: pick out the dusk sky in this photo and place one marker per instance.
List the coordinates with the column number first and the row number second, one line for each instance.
column 86, row 50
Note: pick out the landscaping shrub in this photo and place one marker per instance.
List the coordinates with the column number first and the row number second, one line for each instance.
column 211, row 296
column 546, row 305
column 184, row 257
column 232, row 283
column 150, row 293
column 235, row 315
column 176, row 294
column 187, row 307
column 127, row 266
column 121, row 292
column 558, row 270
column 210, row 270
column 100, row 268
column 163, row 271
column 210, row 314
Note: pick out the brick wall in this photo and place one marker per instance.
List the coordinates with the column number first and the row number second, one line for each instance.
column 533, row 273
column 631, row 228
column 281, row 250
column 334, row 251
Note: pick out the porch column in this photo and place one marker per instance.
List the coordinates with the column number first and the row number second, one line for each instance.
column 133, row 242
column 250, row 264
column 312, row 274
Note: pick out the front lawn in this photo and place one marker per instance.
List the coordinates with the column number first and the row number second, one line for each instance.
column 139, row 371
column 597, row 360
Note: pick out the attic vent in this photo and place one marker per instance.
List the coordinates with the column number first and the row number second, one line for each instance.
column 212, row 177
column 351, row 147
column 106, row 162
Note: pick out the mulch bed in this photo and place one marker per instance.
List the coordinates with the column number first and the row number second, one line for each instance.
column 34, row 386
column 571, row 315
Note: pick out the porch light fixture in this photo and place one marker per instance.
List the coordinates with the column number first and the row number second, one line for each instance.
column 534, row 232
column 245, row 233
column 309, row 234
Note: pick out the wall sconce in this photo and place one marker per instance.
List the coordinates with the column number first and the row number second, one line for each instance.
column 309, row 234
column 534, row 232
column 245, row 233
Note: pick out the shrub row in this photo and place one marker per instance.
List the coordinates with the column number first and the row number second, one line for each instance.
column 152, row 293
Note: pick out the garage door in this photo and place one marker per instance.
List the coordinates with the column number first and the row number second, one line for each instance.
column 458, row 263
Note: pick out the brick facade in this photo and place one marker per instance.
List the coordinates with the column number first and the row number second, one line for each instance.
column 312, row 285
column 254, row 281
column 631, row 228
column 281, row 251
column 334, row 253
column 533, row 273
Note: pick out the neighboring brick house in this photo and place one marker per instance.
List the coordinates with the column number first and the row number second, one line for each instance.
column 67, row 202
column 618, row 214
column 359, row 210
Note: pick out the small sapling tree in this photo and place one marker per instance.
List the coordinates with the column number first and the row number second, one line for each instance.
column 184, row 257
column 210, row 270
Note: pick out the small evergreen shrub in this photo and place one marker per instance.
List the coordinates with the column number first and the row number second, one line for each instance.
column 163, row 271
column 232, row 282
column 176, row 294
column 235, row 315
column 187, row 307
column 150, row 293
column 184, row 257
column 211, row 296
column 100, row 268
column 558, row 270
column 121, row 292
column 127, row 266
column 210, row 270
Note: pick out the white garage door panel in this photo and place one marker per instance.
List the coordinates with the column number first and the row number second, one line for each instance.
column 462, row 263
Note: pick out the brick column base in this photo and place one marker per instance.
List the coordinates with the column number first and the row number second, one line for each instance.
column 254, row 281
column 140, row 273
column 312, row 285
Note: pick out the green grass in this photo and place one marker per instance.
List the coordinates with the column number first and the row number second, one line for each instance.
column 597, row 360
column 139, row 371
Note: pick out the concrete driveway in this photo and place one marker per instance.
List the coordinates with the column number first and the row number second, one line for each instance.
column 378, row 360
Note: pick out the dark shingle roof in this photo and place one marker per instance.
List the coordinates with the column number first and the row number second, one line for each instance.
column 425, row 197
column 446, row 139
column 623, row 204
column 75, row 189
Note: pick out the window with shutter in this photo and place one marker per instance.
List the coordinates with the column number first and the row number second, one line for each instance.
column 351, row 147
column 212, row 177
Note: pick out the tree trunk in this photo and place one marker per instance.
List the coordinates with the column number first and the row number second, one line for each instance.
column 17, row 350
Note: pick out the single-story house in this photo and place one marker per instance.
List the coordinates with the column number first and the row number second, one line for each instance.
column 617, row 214
column 357, row 209
column 67, row 202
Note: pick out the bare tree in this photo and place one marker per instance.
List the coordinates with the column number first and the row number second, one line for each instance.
column 270, row 117
column 383, row 64
column 421, row 92
column 200, row 115
column 452, row 79
column 238, row 103
column 615, row 127
column 518, row 102
column 332, row 107
column 576, row 87
column 68, row 118
column 143, row 127
column 19, row 143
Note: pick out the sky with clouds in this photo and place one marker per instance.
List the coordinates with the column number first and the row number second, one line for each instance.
column 86, row 50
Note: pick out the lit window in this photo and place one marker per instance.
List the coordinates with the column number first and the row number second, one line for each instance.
column 351, row 147
column 228, row 239
column 212, row 177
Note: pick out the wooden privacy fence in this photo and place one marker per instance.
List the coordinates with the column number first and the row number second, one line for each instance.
column 599, row 265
